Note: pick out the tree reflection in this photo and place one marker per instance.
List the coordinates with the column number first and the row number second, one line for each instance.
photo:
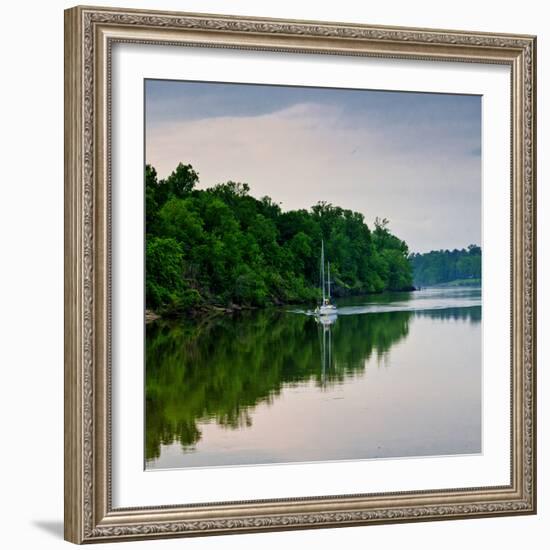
column 469, row 314
column 220, row 368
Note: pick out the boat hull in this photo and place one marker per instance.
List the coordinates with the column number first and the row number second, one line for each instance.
column 326, row 310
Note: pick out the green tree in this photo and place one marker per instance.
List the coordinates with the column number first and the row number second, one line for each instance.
column 234, row 249
column 447, row 266
column 182, row 180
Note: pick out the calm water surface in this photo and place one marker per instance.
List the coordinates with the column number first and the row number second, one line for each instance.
column 393, row 375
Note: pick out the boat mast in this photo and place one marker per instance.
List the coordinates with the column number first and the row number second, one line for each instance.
column 323, row 268
column 328, row 280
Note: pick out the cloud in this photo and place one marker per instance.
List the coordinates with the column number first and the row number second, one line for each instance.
column 422, row 175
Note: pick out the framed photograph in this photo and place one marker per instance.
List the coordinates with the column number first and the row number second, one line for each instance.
column 300, row 274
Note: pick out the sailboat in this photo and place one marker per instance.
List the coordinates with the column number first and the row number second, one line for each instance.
column 325, row 311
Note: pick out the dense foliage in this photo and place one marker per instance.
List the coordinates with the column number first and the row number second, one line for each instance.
column 222, row 246
column 447, row 266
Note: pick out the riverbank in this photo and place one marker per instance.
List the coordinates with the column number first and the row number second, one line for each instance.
column 206, row 310
column 203, row 310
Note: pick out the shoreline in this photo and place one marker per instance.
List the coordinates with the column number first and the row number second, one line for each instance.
column 208, row 310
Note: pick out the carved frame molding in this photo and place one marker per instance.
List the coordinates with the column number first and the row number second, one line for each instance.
column 89, row 36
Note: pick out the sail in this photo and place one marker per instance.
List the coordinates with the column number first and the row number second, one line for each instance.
column 328, row 279
column 325, row 308
column 323, row 269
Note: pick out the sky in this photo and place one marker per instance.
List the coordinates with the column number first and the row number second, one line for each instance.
column 413, row 158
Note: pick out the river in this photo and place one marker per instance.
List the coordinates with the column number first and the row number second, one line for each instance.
column 394, row 375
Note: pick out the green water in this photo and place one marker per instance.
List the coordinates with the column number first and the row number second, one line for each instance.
column 392, row 376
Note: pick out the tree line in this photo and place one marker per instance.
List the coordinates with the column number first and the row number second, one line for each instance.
column 221, row 246
column 447, row 266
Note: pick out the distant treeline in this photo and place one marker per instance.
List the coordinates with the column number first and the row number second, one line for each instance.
column 221, row 246
column 447, row 266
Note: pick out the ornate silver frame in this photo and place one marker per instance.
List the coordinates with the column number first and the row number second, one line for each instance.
column 89, row 36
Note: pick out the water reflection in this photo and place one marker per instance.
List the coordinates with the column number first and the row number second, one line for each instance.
column 219, row 371
column 222, row 367
column 325, row 340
